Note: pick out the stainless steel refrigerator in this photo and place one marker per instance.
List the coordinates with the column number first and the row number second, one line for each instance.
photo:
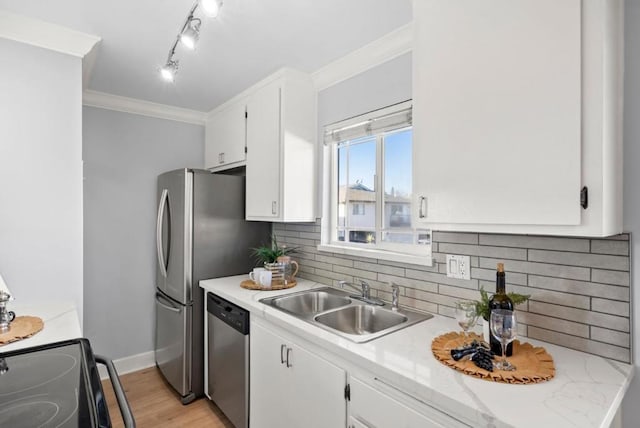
column 200, row 233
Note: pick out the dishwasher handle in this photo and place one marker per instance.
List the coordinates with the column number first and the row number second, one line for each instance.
column 125, row 410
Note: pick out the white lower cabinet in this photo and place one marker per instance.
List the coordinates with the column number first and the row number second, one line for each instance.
column 296, row 384
column 290, row 386
column 369, row 407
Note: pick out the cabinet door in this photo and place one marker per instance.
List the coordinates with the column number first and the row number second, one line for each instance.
column 225, row 138
column 263, row 153
column 497, row 112
column 318, row 388
column 270, row 381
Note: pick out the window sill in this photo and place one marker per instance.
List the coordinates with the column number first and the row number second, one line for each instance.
column 422, row 260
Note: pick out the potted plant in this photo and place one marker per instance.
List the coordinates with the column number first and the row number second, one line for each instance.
column 482, row 307
column 277, row 260
column 269, row 253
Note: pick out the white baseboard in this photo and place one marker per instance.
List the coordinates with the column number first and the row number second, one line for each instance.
column 130, row 364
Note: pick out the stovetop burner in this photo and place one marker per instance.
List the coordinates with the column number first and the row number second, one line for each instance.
column 52, row 386
column 31, row 411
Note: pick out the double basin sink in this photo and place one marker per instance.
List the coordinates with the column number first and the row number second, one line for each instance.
column 335, row 311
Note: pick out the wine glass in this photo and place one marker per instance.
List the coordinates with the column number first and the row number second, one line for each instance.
column 466, row 315
column 503, row 327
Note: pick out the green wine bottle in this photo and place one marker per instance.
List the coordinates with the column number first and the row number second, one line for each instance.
column 500, row 300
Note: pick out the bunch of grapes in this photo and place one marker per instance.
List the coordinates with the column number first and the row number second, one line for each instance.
column 483, row 358
column 478, row 352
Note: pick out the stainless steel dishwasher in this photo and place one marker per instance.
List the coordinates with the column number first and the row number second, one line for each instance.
column 228, row 358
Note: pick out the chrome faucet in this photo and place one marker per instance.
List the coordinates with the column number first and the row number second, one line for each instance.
column 365, row 289
column 395, row 293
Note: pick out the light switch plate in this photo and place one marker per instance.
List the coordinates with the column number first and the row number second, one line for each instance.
column 458, row 267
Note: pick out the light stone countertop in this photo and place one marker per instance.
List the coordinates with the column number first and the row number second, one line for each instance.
column 586, row 391
column 60, row 323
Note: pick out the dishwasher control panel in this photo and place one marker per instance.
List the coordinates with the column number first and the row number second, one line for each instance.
column 229, row 313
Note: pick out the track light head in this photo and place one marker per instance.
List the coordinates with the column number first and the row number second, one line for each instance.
column 169, row 71
column 211, row 8
column 191, row 34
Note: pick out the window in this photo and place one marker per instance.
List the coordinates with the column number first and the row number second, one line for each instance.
column 358, row 209
column 370, row 199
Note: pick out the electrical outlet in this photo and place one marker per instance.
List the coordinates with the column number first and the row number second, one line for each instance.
column 458, row 267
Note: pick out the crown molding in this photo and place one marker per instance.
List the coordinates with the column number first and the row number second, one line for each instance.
column 145, row 108
column 389, row 46
column 46, row 35
column 88, row 62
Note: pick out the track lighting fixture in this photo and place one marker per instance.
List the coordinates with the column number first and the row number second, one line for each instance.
column 189, row 35
column 211, row 7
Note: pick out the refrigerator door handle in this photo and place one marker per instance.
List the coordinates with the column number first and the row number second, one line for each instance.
column 169, row 307
column 159, row 221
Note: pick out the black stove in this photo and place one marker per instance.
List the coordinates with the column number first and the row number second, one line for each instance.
column 55, row 385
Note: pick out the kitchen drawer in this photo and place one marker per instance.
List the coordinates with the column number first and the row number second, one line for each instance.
column 372, row 408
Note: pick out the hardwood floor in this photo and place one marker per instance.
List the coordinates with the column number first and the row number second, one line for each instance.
column 155, row 404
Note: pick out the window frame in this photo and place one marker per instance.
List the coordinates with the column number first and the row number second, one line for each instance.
column 410, row 253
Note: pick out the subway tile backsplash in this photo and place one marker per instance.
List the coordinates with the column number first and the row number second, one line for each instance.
column 579, row 287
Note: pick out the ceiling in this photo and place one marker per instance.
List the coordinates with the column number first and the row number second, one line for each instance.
column 249, row 40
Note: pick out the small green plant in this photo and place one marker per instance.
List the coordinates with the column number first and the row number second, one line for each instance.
column 482, row 305
column 269, row 253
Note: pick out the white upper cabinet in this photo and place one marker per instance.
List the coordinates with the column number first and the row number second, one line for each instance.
column 225, row 137
column 263, row 169
column 517, row 107
column 281, row 135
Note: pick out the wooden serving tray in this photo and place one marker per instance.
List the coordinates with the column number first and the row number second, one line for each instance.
column 533, row 364
column 250, row 285
column 21, row 328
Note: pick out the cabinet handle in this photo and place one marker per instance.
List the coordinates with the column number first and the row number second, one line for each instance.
column 221, row 158
column 422, row 208
column 273, row 207
column 289, row 364
column 282, row 348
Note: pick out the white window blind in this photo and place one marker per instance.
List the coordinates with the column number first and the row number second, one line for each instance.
column 387, row 119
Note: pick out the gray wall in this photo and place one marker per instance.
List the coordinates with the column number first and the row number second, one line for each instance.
column 123, row 154
column 40, row 174
column 387, row 84
column 631, row 410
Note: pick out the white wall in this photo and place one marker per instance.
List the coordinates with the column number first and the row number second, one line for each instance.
column 41, row 173
column 631, row 410
column 123, row 155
